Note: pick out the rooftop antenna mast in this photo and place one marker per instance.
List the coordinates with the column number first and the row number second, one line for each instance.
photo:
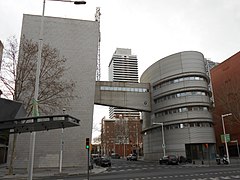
column 98, row 71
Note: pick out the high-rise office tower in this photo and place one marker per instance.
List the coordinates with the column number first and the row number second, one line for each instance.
column 123, row 67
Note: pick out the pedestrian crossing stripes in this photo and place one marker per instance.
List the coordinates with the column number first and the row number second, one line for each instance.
column 145, row 167
column 233, row 177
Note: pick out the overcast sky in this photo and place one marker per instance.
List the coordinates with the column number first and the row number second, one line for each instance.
column 153, row 29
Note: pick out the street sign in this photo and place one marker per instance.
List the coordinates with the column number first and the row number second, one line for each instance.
column 227, row 138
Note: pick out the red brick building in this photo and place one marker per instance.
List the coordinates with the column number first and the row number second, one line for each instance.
column 226, row 89
column 122, row 136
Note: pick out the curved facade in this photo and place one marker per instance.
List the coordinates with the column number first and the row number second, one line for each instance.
column 181, row 101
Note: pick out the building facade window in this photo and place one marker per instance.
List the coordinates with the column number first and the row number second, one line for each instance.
column 177, row 80
column 129, row 89
column 187, row 125
column 179, row 95
column 180, row 110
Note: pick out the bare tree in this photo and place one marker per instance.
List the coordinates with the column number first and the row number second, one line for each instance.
column 54, row 91
column 18, row 76
column 96, row 127
column 228, row 97
column 97, row 140
column 121, row 132
column 9, row 65
column 8, row 78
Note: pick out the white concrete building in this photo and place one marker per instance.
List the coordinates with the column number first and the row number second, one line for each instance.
column 77, row 41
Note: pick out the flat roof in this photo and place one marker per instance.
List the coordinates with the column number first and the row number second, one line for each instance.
column 39, row 123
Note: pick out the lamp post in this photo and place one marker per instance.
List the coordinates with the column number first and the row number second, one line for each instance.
column 163, row 138
column 224, row 132
column 61, row 147
column 36, row 92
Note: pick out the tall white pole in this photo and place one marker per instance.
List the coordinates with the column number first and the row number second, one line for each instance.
column 224, row 132
column 61, row 147
column 163, row 141
column 35, row 99
column 61, row 153
column 163, row 138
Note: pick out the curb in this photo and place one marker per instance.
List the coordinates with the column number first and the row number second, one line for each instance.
column 72, row 172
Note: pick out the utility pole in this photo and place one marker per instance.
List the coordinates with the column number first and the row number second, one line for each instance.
column 97, row 18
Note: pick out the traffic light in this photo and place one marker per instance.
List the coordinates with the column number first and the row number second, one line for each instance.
column 87, row 143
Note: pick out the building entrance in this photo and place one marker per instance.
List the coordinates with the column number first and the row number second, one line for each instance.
column 200, row 152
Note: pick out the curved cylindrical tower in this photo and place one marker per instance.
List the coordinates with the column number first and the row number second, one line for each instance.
column 180, row 103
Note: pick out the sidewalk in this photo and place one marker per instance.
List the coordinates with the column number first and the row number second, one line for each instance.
column 46, row 172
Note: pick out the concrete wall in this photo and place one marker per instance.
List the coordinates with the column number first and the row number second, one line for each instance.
column 77, row 40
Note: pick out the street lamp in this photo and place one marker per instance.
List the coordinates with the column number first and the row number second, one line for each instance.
column 35, row 98
column 163, row 138
column 61, row 147
column 225, row 139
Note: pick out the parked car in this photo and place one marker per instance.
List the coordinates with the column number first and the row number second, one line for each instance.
column 184, row 160
column 170, row 159
column 132, row 157
column 104, row 162
column 115, row 156
column 95, row 157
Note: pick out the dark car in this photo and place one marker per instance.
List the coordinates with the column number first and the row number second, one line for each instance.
column 104, row 162
column 170, row 159
column 115, row 156
column 95, row 157
column 132, row 157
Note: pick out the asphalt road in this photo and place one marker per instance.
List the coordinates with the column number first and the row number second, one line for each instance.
column 140, row 170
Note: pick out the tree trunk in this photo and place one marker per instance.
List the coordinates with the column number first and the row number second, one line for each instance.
column 10, row 168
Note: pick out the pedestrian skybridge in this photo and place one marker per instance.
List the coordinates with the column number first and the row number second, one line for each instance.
column 134, row 96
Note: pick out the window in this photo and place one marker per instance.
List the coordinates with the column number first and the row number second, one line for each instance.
column 181, row 110
column 175, row 80
column 191, row 124
column 195, row 108
column 184, row 109
column 107, row 88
